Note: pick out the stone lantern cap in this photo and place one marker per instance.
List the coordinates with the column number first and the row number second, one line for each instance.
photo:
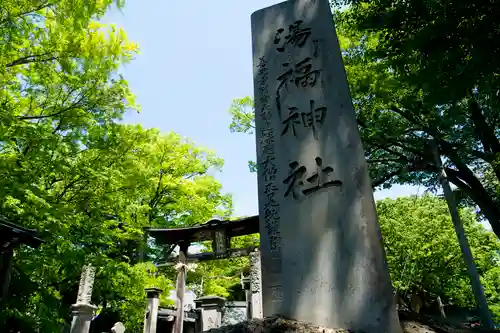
column 209, row 301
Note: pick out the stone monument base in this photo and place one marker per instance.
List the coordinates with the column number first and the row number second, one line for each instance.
column 284, row 325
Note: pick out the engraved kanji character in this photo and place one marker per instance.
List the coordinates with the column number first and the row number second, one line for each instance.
column 320, row 178
column 297, row 36
column 265, row 115
column 267, row 141
column 294, row 179
column 262, row 62
column 314, row 117
column 266, row 132
column 268, row 168
column 292, row 120
column 305, row 74
column 269, row 148
column 270, row 191
column 302, row 75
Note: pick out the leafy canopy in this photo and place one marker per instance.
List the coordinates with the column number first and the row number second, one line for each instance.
column 423, row 253
column 88, row 184
column 418, row 76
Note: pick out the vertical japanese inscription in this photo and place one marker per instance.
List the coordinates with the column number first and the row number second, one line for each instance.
column 267, row 161
column 301, row 74
column 297, row 36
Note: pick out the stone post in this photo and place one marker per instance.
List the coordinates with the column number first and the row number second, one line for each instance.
column 83, row 310
column 255, row 285
column 153, row 303
column 245, row 283
column 323, row 261
column 211, row 311
column 181, row 287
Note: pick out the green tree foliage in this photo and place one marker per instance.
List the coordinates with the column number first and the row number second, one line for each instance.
column 423, row 252
column 94, row 206
column 418, row 72
column 407, row 94
column 223, row 277
column 86, row 183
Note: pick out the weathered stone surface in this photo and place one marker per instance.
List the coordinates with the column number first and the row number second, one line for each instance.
column 82, row 317
column 322, row 256
column 274, row 324
column 255, row 285
column 153, row 303
column 86, row 285
column 83, row 310
column 211, row 311
column 278, row 324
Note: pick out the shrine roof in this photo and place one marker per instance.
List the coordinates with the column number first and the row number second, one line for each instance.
column 9, row 231
column 205, row 231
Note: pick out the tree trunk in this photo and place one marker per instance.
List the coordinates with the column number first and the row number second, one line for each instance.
column 441, row 307
column 475, row 190
column 477, row 288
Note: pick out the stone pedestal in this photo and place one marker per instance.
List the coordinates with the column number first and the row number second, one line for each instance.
column 82, row 317
column 322, row 256
column 153, row 303
column 211, row 311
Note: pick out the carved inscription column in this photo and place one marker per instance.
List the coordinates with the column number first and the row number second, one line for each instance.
column 322, row 256
column 269, row 208
column 255, row 285
column 83, row 310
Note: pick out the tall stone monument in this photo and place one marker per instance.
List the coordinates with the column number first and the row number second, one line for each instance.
column 83, row 310
column 322, row 256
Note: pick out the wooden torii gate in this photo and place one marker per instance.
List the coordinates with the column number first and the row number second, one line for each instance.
column 219, row 232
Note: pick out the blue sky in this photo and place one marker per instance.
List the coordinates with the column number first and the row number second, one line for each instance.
column 195, row 58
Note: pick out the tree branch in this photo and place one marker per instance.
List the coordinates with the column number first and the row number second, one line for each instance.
column 32, row 10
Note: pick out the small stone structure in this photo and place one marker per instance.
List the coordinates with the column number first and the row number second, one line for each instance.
column 211, row 312
column 118, row 328
column 234, row 312
column 153, row 303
